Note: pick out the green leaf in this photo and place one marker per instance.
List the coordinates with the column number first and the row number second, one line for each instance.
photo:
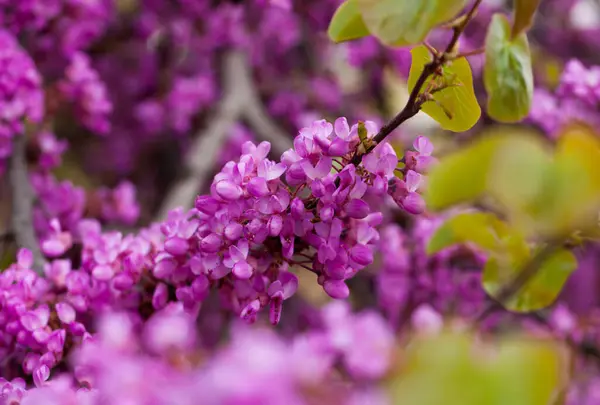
column 347, row 23
column 484, row 230
column 457, row 365
column 457, row 98
column 507, row 74
column 541, row 290
column 540, row 192
column 529, row 372
column 570, row 197
column 519, row 172
column 406, row 22
column 524, row 12
column 509, row 164
column 461, row 176
column 576, row 197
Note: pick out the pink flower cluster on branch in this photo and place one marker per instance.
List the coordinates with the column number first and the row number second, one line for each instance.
column 261, row 220
column 310, row 210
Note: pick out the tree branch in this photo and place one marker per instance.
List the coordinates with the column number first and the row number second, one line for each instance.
column 22, row 203
column 585, row 348
column 240, row 100
column 415, row 101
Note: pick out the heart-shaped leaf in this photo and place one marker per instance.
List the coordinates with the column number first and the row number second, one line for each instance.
column 347, row 23
column 454, row 105
column 507, row 74
column 406, row 22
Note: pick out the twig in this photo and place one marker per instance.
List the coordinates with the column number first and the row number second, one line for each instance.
column 414, row 103
column 240, row 101
column 260, row 122
column 586, row 348
column 521, row 279
column 22, row 203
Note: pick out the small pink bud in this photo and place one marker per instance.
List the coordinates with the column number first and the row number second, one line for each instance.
column 257, row 187
column 65, row 312
column 361, row 255
column 242, row 270
column 336, row 289
column 160, row 296
column 414, row 204
column 426, row 319
column 233, row 231
column 358, row 209
column 176, row 246
column 40, row 375
column 228, row 190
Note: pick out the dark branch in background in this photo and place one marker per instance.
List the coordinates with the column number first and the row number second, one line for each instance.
column 416, row 99
column 585, row 348
column 240, row 101
column 22, row 203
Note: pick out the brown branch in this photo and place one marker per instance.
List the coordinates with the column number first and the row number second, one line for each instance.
column 22, row 203
column 415, row 101
column 585, row 348
column 240, row 100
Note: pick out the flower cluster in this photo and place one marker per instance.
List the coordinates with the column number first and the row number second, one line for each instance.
column 116, row 318
column 449, row 281
column 82, row 87
column 158, row 361
column 262, row 221
column 21, row 96
column 575, row 100
column 581, row 83
column 263, row 217
column 63, row 26
column 45, row 316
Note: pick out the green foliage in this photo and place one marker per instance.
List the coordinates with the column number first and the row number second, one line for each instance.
column 454, row 105
column 540, row 192
column 540, row 291
column 452, row 365
column 484, row 230
column 508, row 74
column 523, row 19
column 406, row 22
column 462, row 176
column 507, row 252
column 572, row 195
column 347, row 23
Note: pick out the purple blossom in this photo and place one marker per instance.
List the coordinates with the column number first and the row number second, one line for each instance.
column 21, row 95
column 83, row 88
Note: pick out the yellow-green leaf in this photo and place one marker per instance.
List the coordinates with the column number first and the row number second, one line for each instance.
column 484, row 230
column 347, row 23
column 570, row 198
column 523, row 19
column 507, row 74
column 520, row 170
column 578, row 183
column 529, row 372
column 406, row 22
column 541, row 290
column 456, row 99
column 462, row 176
column 552, row 194
column 518, row 371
